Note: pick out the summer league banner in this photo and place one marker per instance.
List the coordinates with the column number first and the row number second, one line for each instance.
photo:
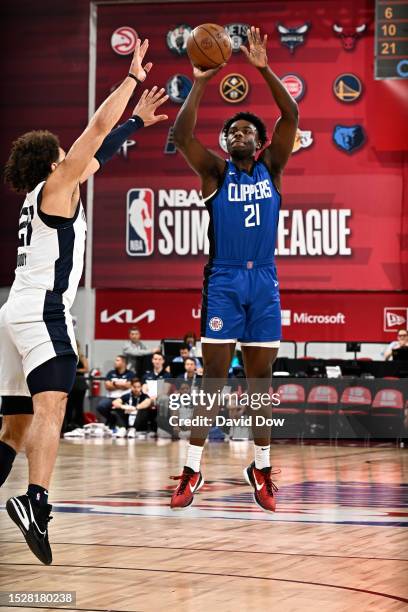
column 342, row 218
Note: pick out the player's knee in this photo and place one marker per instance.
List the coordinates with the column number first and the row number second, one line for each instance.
column 14, row 430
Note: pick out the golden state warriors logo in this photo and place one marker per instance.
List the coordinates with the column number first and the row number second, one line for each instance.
column 140, row 222
column 234, row 88
column 347, row 88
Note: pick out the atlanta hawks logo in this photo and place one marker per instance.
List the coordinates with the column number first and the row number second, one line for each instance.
column 123, row 40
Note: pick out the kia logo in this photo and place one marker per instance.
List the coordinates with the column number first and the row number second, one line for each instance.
column 126, row 315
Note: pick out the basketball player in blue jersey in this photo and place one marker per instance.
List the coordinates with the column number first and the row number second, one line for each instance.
column 38, row 352
column 240, row 293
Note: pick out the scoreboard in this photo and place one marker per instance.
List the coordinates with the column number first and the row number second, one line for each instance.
column 391, row 39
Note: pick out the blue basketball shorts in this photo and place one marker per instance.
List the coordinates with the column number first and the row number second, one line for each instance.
column 241, row 302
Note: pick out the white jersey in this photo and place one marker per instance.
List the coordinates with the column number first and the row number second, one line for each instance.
column 50, row 257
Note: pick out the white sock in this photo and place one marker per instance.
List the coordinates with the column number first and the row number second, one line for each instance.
column 194, row 457
column 262, row 457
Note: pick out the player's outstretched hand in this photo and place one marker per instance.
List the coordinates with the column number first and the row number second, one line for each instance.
column 257, row 48
column 148, row 104
column 206, row 75
column 136, row 67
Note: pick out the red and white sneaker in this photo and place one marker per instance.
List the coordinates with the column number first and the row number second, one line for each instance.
column 264, row 488
column 190, row 483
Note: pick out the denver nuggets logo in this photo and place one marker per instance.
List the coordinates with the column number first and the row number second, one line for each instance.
column 303, row 140
column 347, row 87
column 238, row 35
column 123, row 40
column 177, row 39
column 348, row 138
column 178, row 87
column 234, row 88
column 140, row 222
column 216, row 324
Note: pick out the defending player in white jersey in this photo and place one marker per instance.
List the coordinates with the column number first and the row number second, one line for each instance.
column 38, row 353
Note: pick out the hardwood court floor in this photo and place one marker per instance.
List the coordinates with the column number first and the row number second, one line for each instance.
column 336, row 543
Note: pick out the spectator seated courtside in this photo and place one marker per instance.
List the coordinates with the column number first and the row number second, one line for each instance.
column 117, row 383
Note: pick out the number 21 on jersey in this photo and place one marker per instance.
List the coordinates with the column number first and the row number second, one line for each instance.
column 253, row 217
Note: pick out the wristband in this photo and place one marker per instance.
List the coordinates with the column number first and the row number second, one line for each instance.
column 132, row 76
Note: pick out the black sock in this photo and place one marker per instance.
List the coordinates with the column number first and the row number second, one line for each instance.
column 37, row 494
column 7, row 456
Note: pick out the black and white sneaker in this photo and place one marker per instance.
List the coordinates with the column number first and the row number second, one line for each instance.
column 32, row 520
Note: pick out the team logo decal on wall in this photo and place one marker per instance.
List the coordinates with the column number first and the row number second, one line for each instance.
column 349, row 138
column 216, row 324
column 234, row 88
column 295, row 85
column 139, row 222
column 177, row 39
column 349, row 36
column 293, row 37
column 222, row 141
column 303, row 140
column 125, row 147
column 347, row 87
column 170, row 147
column 123, row 40
column 178, row 88
column 238, row 35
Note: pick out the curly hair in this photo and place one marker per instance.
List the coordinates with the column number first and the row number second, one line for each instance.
column 30, row 160
column 256, row 121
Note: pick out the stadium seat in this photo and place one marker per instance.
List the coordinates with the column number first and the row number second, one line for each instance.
column 292, row 403
column 320, row 409
column 353, row 416
column 387, row 413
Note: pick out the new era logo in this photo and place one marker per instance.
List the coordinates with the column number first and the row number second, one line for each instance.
column 395, row 318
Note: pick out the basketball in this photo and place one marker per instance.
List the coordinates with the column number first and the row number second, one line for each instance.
column 208, row 46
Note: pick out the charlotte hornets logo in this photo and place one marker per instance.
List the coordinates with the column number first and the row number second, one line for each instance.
column 348, row 138
column 140, row 222
column 293, row 37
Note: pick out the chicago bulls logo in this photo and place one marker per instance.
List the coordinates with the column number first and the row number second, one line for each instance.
column 349, row 36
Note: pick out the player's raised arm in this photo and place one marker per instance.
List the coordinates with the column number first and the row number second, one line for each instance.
column 61, row 184
column 276, row 155
column 144, row 115
column 203, row 161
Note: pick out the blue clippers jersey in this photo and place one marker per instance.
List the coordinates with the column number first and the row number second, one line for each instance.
column 244, row 215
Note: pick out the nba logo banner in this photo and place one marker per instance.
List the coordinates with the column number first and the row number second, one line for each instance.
column 139, row 222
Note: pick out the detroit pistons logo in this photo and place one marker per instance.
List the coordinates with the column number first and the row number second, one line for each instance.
column 216, row 324
column 140, row 222
column 123, row 40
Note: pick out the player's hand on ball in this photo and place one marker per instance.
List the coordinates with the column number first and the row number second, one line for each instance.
column 256, row 54
column 149, row 103
column 205, row 75
column 136, row 66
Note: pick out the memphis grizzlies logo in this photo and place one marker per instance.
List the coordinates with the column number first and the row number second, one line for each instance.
column 139, row 222
column 178, row 87
column 293, row 37
column 348, row 138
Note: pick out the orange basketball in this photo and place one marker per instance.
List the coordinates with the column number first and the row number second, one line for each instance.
column 208, row 46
